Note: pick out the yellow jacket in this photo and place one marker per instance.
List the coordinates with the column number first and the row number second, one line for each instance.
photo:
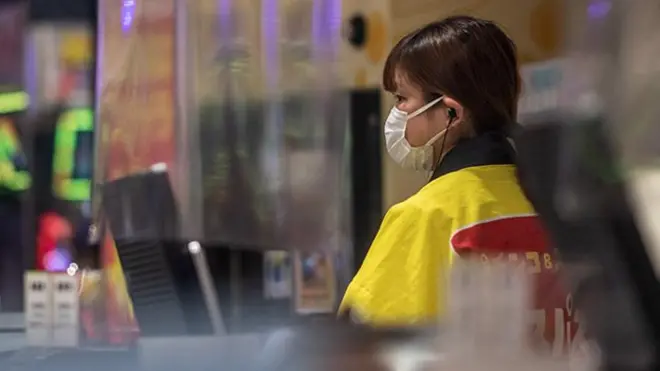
column 472, row 205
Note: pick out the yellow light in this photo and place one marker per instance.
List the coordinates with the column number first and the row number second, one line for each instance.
column 76, row 48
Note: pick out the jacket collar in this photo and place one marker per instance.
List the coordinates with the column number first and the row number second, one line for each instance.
column 490, row 148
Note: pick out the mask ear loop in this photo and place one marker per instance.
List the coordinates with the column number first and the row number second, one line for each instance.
column 425, row 107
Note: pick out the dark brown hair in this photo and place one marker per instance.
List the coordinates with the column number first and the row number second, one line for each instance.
column 469, row 59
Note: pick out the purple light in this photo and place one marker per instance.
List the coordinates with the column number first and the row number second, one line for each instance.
column 270, row 32
column 317, row 23
column 30, row 72
column 599, row 8
column 127, row 14
column 335, row 18
column 326, row 25
column 225, row 19
column 225, row 31
column 57, row 260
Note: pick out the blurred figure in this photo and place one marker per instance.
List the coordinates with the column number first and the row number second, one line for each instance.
column 14, row 181
column 456, row 85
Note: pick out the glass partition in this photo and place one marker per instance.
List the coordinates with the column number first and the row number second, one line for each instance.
column 612, row 76
column 239, row 102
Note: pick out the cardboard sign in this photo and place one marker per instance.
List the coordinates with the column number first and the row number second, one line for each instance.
column 66, row 310
column 38, row 309
column 52, row 311
column 316, row 284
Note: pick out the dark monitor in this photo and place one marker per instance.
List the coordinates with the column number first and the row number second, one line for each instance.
column 141, row 207
column 168, row 282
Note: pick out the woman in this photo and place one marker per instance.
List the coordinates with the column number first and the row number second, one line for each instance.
column 456, row 85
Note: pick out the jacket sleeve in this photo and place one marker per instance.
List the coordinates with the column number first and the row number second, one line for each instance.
column 398, row 282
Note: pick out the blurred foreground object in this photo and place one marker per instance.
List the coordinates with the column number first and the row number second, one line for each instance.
column 488, row 316
column 579, row 165
column 490, row 312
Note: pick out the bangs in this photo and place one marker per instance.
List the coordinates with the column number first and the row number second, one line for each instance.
column 389, row 71
column 393, row 62
column 401, row 58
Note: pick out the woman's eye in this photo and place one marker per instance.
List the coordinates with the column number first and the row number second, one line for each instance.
column 399, row 98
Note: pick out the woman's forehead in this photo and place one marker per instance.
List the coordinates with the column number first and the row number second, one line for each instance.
column 403, row 83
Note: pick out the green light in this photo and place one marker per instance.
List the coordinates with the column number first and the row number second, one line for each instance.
column 65, row 186
column 13, row 102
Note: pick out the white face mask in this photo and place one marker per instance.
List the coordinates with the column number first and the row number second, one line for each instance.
column 407, row 156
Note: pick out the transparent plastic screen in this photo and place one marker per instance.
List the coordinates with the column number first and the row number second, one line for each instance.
column 613, row 79
column 267, row 124
column 639, row 126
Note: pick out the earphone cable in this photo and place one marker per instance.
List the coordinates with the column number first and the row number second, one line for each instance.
column 442, row 148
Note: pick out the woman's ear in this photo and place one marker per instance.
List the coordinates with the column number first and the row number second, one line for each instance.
column 455, row 110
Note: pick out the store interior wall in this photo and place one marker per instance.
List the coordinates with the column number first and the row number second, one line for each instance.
column 535, row 25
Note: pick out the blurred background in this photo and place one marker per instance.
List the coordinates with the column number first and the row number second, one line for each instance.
column 217, row 167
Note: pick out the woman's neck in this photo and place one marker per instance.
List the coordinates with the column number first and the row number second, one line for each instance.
column 442, row 153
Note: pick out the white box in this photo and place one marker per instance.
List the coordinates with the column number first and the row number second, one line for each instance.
column 38, row 308
column 66, row 310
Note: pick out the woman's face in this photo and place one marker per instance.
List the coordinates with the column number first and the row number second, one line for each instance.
column 409, row 98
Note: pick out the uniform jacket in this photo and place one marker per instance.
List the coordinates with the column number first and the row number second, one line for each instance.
column 473, row 205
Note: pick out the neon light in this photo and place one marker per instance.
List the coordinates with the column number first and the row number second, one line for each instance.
column 73, row 156
column 271, row 33
column 13, row 102
column 57, row 260
column 127, row 14
column 599, row 8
